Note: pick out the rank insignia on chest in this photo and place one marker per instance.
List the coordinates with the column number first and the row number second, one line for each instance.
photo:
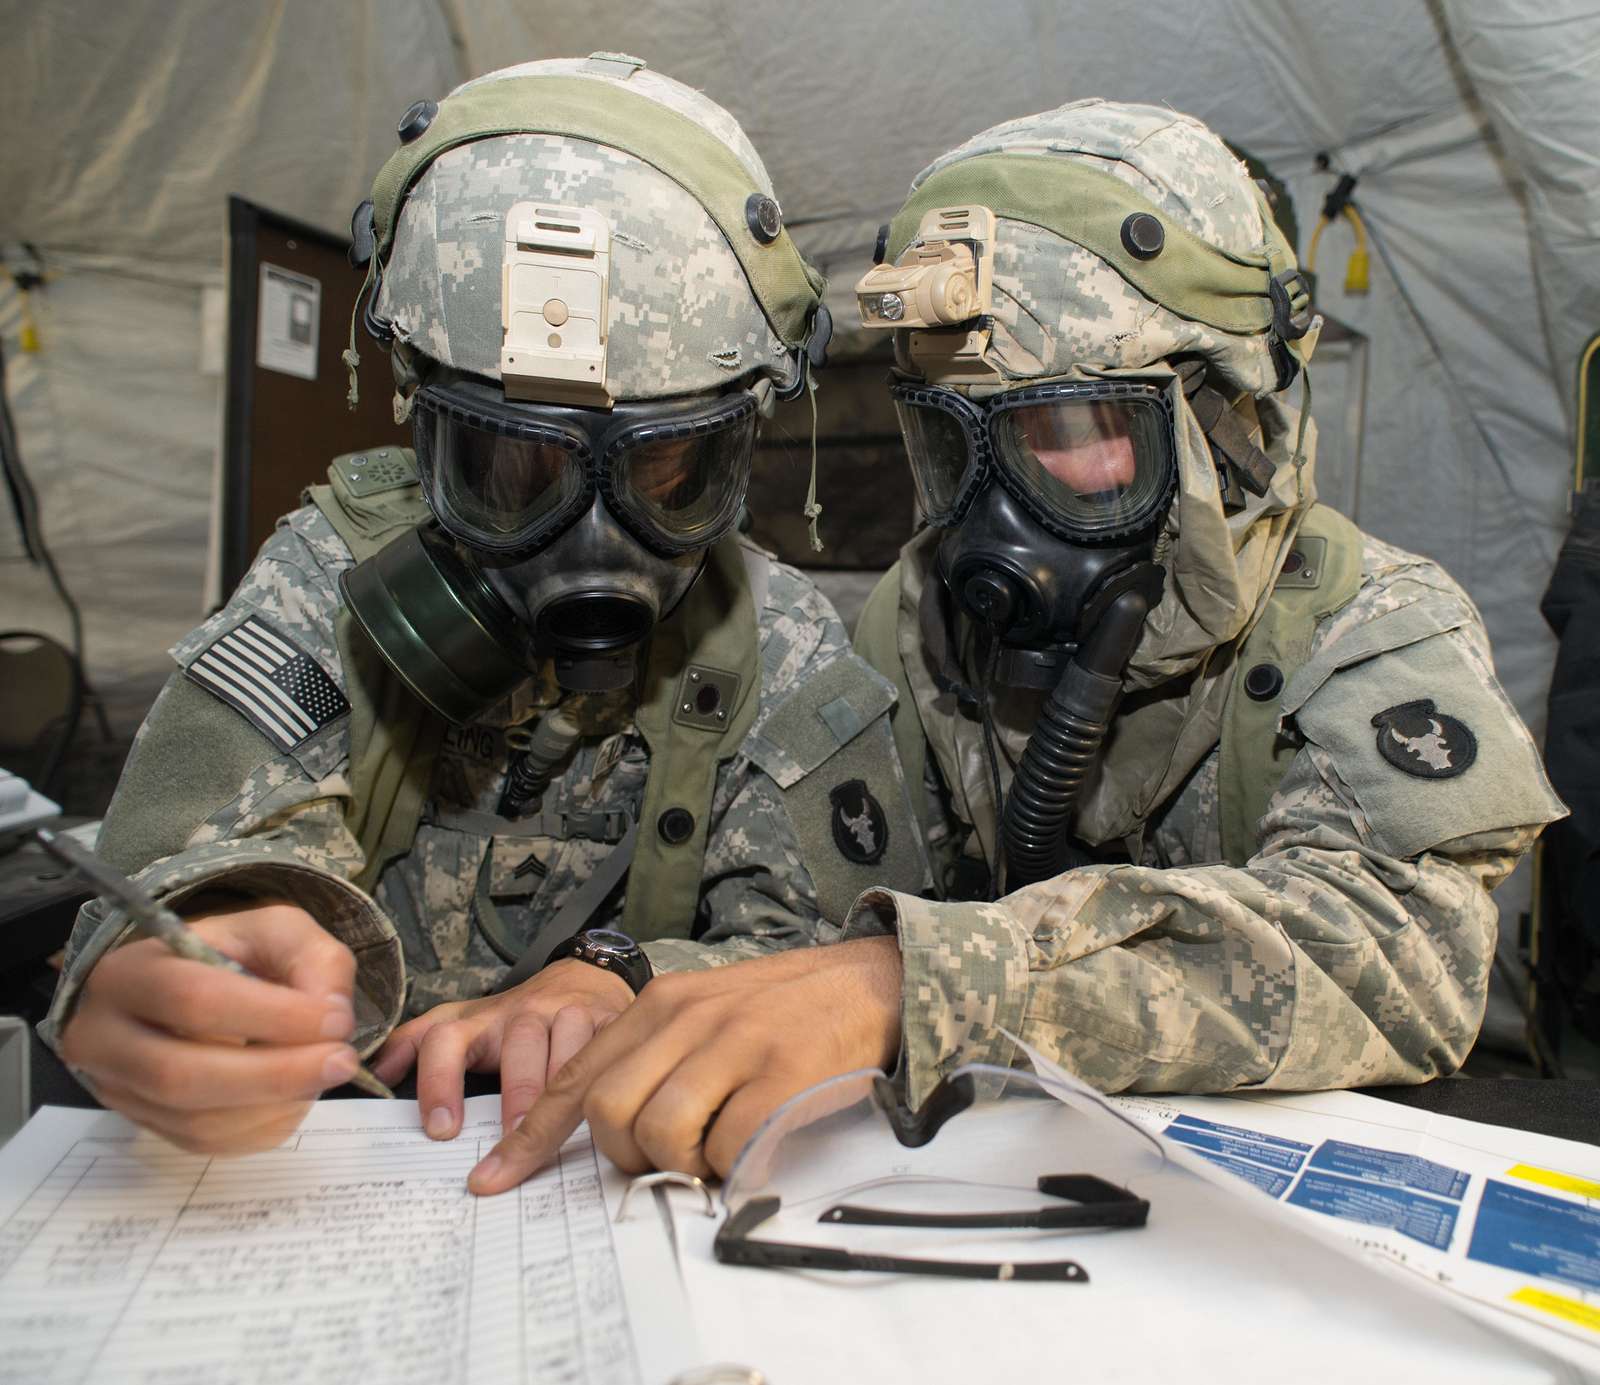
column 860, row 827
column 1419, row 739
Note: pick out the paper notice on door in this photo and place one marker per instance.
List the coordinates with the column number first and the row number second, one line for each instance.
column 287, row 316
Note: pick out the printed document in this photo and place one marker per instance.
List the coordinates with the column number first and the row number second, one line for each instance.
column 351, row 1253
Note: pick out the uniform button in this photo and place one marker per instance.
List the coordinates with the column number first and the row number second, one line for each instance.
column 675, row 826
column 1263, row 681
column 555, row 312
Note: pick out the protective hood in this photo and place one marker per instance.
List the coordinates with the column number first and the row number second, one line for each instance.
column 1061, row 311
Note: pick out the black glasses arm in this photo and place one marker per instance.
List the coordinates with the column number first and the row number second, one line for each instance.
column 733, row 1247
column 1098, row 1204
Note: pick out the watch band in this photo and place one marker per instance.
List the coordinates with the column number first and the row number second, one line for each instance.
column 610, row 951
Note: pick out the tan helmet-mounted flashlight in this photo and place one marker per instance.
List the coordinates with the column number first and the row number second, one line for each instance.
column 942, row 278
column 553, row 292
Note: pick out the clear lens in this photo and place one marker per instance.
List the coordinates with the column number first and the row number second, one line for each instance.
column 834, row 1144
column 941, row 453
column 684, row 483
column 497, row 487
column 509, row 477
column 1096, row 465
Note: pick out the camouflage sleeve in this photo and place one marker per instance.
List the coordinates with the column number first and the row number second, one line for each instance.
column 774, row 877
column 1353, row 948
column 208, row 801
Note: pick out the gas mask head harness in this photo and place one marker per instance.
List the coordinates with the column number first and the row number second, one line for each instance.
column 1052, row 489
column 581, row 440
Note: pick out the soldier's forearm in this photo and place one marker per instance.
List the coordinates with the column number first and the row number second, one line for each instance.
column 1310, row 972
column 271, row 866
column 680, row 954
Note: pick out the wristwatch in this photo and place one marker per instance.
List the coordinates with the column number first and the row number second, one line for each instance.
column 610, row 950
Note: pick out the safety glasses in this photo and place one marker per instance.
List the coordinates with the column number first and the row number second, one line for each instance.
column 506, row 478
column 1091, row 461
column 849, row 1179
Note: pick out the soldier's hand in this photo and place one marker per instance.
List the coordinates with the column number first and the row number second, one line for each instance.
column 528, row 1033
column 215, row 1062
column 700, row 1059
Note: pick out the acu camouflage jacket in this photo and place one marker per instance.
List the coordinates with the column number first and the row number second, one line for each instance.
column 211, row 800
column 1349, row 943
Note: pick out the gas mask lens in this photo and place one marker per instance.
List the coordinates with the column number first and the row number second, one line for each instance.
column 940, row 443
column 1100, row 466
column 505, row 478
column 684, row 482
column 501, row 485
column 1090, row 460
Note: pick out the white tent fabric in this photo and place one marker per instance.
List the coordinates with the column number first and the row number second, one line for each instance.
column 1471, row 125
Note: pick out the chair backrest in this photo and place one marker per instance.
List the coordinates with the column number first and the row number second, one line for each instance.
column 41, row 700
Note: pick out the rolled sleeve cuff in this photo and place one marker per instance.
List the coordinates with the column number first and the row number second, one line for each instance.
column 964, row 980
column 339, row 906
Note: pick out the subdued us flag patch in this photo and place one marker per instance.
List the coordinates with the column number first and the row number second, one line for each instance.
column 271, row 680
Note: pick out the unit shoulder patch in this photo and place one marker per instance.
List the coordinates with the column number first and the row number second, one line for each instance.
column 263, row 674
column 1421, row 740
column 860, row 826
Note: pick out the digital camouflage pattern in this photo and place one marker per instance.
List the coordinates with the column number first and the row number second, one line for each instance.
column 1353, row 947
column 681, row 315
column 278, row 827
column 1060, row 309
column 1061, row 312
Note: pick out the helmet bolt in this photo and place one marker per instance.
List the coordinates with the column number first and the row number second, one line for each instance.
column 419, row 115
column 1143, row 236
column 764, row 217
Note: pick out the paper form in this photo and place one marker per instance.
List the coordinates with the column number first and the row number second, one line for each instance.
column 1505, row 1219
column 351, row 1253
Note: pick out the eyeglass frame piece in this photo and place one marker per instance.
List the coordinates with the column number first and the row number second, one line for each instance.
column 1096, row 1204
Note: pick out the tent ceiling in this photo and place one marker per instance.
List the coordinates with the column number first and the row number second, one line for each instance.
column 1471, row 122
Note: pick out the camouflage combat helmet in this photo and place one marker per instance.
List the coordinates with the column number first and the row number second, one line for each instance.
column 703, row 287
column 1145, row 241
column 1126, row 240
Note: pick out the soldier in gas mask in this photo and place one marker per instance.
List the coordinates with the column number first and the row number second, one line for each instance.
column 1217, row 785
column 497, row 730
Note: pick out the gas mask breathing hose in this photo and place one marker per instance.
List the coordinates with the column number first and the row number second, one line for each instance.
column 538, row 753
column 1066, row 743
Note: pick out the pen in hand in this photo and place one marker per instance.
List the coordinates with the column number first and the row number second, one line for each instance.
column 157, row 921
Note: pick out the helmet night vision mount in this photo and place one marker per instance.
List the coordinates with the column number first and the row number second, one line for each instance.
column 942, row 281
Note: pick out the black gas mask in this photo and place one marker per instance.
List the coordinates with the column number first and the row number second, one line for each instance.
column 1051, row 497
column 558, row 532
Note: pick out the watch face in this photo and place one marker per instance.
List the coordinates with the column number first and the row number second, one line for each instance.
column 611, row 951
